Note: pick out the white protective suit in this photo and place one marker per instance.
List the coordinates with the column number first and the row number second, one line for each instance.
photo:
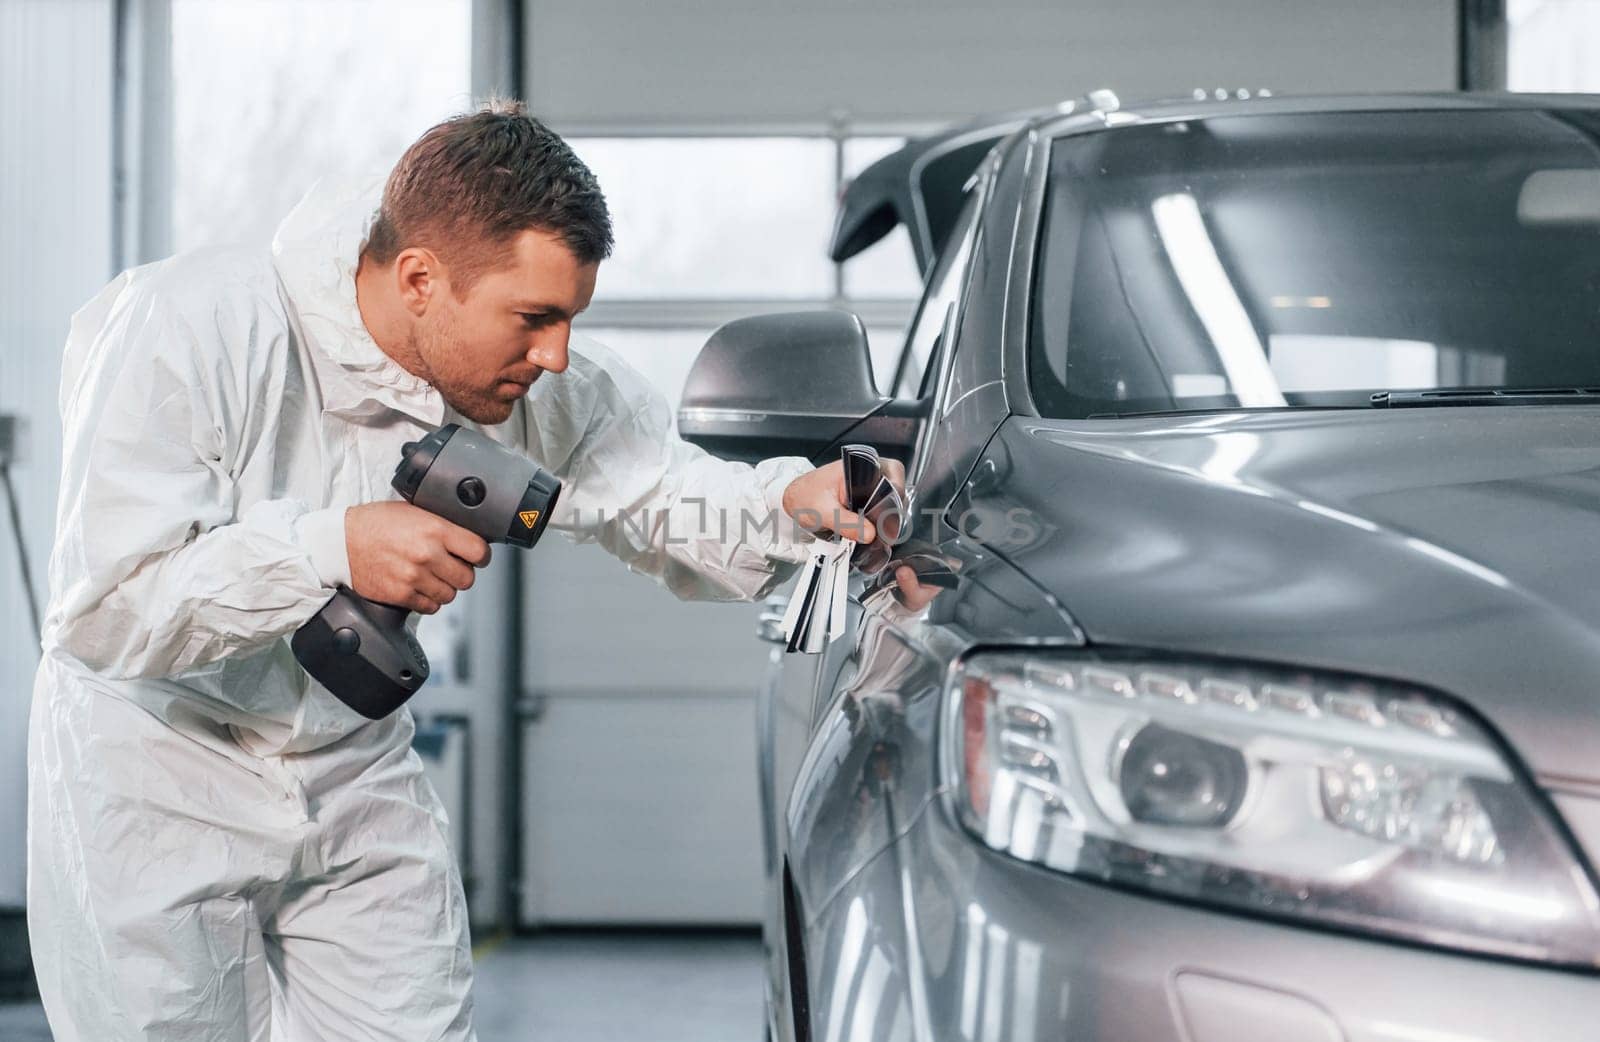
column 218, row 849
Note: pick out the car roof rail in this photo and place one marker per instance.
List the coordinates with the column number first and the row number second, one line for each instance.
column 1103, row 99
column 1224, row 94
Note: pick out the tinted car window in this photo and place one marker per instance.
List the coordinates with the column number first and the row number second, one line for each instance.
column 944, row 287
column 1313, row 260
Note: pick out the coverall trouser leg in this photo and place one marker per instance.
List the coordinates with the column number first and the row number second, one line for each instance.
column 181, row 888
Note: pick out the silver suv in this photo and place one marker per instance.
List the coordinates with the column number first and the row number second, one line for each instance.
column 1262, row 439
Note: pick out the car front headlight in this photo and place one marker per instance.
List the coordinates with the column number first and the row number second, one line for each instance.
column 1307, row 796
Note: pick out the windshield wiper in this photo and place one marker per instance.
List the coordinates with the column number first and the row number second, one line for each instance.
column 1483, row 396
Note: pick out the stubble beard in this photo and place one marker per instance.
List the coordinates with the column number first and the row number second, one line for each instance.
column 436, row 348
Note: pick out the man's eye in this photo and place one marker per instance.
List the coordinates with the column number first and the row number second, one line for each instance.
column 535, row 318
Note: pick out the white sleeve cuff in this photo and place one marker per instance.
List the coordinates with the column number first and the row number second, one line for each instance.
column 321, row 534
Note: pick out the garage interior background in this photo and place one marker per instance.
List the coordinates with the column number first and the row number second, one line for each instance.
column 592, row 737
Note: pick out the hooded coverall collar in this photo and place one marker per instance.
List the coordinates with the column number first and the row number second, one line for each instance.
column 316, row 251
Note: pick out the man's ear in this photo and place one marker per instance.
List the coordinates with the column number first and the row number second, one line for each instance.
column 419, row 277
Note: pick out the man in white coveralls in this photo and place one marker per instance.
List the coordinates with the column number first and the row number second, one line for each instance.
column 217, row 847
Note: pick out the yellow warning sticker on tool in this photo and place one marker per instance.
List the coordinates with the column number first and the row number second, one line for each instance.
column 529, row 517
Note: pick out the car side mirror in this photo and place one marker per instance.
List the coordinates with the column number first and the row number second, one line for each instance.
column 795, row 384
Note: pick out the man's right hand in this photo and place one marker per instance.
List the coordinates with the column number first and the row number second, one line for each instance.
column 402, row 555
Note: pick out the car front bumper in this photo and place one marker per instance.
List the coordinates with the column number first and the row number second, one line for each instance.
column 938, row 938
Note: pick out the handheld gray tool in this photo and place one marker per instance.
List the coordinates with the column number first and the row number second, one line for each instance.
column 362, row 651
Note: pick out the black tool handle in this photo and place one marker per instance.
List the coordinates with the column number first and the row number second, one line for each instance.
column 363, row 653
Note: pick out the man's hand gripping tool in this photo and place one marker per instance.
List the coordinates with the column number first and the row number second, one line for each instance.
column 363, row 651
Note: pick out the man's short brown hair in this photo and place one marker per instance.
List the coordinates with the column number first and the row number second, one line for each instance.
column 470, row 185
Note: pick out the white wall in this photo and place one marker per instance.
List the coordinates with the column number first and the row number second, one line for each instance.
column 594, row 63
column 55, row 251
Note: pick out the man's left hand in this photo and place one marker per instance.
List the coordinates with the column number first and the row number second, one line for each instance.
column 819, row 501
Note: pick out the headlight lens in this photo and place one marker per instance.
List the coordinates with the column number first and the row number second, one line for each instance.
column 1308, row 796
column 1172, row 778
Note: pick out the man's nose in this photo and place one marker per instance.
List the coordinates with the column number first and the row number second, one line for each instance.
column 549, row 350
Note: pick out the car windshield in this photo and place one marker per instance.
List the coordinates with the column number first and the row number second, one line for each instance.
column 1271, row 261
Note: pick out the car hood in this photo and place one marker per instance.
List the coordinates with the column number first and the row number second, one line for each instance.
column 1448, row 547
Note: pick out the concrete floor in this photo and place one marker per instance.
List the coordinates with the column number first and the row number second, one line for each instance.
column 22, row 1022
column 600, row 987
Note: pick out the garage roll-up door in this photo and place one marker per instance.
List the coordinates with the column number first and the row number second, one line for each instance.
column 596, row 64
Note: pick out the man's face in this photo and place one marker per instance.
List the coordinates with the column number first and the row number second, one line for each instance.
column 484, row 352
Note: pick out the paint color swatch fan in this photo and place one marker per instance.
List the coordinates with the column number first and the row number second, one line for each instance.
column 816, row 611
